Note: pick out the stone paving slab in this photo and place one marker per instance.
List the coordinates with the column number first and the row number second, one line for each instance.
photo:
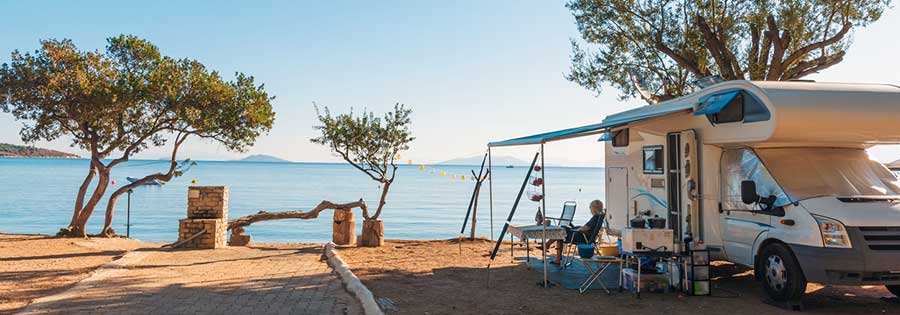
column 277, row 279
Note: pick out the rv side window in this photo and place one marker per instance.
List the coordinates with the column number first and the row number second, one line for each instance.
column 733, row 112
column 653, row 159
column 620, row 138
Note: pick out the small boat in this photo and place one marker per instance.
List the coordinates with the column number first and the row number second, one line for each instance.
column 510, row 166
column 154, row 182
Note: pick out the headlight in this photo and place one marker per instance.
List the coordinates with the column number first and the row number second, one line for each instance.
column 833, row 232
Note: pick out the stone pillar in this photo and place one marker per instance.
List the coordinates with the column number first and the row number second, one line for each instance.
column 207, row 209
column 344, row 228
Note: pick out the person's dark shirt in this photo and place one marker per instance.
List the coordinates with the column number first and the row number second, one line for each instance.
column 593, row 223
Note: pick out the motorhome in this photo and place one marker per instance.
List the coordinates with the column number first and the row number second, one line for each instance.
column 771, row 175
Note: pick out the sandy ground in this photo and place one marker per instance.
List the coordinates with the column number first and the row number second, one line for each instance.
column 32, row 266
column 433, row 277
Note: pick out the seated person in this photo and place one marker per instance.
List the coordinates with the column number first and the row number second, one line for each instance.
column 580, row 235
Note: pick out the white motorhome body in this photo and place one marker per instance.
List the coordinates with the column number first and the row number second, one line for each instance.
column 801, row 142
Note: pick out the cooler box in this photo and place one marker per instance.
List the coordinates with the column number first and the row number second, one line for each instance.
column 645, row 240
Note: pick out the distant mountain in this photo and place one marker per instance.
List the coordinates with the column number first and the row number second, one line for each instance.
column 495, row 160
column 262, row 158
column 17, row 151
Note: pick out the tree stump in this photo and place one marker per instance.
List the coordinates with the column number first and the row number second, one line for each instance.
column 372, row 233
column 344, row 228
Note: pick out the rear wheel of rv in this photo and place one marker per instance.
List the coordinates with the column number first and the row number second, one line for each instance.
column 895, row 289
column 782, row 277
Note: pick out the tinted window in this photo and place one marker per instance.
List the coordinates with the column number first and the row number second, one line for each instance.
column 653, row 160
column 733, row 112
column 620, row 138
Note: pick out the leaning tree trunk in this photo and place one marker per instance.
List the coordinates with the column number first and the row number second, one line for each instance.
column 77, row 228
column 373, row 229
column 111, row 204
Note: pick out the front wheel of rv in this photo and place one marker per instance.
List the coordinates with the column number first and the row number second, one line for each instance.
column 782, row 277
column 895, row 289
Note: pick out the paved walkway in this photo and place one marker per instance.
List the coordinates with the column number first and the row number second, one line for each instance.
column 263, row 280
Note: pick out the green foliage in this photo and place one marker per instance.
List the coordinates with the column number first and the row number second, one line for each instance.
column 367, row 142
column 124, row 100
column 128, row 98
column 657, row 48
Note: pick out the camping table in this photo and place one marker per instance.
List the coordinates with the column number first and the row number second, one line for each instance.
column 526, row 231
column 604, row 262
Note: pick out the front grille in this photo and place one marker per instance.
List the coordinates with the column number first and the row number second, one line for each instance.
column 881, row 237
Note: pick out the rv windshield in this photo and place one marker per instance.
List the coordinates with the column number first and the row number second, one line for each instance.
column 805, row 173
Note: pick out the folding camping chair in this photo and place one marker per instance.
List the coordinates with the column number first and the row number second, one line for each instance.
column 568, row 212
column 590, row 238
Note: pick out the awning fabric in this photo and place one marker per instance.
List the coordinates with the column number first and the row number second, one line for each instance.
column 611, row 121
column 715, row 103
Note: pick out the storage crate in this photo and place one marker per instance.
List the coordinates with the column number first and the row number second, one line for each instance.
column 655, row 283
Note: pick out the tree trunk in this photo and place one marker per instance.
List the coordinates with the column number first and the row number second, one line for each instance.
column 383, row 200
column 79, row 199
column 79, row 226
column 111, row 204
column 343, row 228
column 79, row 220
column 372, row 233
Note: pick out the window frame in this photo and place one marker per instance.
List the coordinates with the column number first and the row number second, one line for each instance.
column 660, row 168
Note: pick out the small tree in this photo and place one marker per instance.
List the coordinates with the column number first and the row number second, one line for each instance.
column 122, row 101
column 370, row 144
column 656, row 48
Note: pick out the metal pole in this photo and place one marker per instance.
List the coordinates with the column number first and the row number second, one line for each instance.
column 128, row 217
column 544, row 215
column 491, row 191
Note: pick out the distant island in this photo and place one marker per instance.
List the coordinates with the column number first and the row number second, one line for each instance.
column 263, row 158
column 18, row 151
column 495, row 160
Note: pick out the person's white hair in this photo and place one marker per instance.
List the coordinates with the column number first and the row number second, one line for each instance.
column 596, row 207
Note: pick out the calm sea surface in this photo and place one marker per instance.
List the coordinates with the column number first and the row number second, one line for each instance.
column 37, row 196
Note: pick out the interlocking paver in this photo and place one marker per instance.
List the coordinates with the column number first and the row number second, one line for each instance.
column 268, row 280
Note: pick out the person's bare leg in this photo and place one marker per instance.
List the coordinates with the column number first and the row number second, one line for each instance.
column 559, row 250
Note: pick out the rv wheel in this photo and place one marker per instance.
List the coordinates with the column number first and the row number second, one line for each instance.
column 782, row 277
column 895, row 289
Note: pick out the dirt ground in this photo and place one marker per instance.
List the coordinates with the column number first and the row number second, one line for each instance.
column 33, row 266
column 433, row 277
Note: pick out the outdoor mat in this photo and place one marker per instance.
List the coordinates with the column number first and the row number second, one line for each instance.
column 573, row 276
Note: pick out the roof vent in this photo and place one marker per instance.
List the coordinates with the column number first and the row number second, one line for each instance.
column 707, row 81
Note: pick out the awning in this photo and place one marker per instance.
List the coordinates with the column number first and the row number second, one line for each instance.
column 552, row 136
column 606, row 136
column 611, row 121
column 715, row 103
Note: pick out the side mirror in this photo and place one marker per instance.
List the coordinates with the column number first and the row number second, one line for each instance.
column 748, row 192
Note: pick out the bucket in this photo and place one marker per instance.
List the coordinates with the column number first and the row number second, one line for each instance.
column 611, row 250
column 585, row 250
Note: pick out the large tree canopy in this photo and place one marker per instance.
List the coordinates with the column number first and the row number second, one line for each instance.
column 657, row 48
column 116, row 103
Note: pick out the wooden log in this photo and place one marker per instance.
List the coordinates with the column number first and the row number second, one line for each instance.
column 372, row 233
column 294, row 214
column 344, row 228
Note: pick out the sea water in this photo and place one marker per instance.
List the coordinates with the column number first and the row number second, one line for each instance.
column 37, row 196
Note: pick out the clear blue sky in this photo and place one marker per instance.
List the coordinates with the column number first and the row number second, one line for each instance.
column 473, row 71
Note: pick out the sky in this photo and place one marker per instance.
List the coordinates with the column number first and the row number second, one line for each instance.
column 473, row 71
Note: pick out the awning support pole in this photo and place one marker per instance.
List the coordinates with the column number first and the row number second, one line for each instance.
column 491, row 191
column 544, row 215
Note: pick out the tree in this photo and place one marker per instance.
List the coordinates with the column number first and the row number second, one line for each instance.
column 657, row 48
column 122, row 101
column 370, row 144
